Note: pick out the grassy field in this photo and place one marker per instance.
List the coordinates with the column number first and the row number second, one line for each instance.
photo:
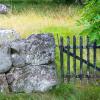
column 49, row 18
column 42, row 18
column 61, row 92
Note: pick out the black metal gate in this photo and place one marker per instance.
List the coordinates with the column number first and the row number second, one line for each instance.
column 67, row 50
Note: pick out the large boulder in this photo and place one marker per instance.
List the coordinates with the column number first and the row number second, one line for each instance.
column 33, row 64
column 5, row 59
column 36, row 50
column 40, row 49
column 32, row 78
column 3, row 84
column 8, row 35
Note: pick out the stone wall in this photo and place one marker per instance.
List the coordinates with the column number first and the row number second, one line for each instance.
column 27, row 65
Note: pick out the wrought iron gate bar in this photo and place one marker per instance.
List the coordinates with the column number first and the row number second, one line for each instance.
column 78, row 58
column 71, row 51
column 84, row 47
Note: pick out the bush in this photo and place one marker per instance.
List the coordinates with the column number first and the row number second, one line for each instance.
column 91, row 20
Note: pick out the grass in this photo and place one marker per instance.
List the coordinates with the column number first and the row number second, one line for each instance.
column 39, row 18
column 61, row 92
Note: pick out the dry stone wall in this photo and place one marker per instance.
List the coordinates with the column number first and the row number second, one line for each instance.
column 27, row 65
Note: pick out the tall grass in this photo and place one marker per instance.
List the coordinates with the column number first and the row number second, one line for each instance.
column 28, row 19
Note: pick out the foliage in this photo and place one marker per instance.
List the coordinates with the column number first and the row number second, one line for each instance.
column 91, row 20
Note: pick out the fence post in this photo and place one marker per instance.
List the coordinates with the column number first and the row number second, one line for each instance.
column 68, row 58
column 94, row 58
column 61, row 60
column 88, row 58
column 81, row 57
column 74, row 58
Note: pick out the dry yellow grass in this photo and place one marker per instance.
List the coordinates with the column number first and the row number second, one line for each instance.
column 30, row 21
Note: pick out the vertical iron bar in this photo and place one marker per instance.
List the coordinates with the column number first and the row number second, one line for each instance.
column 88, row 59
column 58, row 39
column 94, row 58
column 81, row 57
column 61, row 60
column 74, row 52
column 68, row 59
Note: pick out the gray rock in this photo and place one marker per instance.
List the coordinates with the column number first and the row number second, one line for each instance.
column 5, row 59
column 3, row 9
column 18, row 46
column 3, row 84
column 32, row 78
column 18, row 53
column 40, row 50
column 33, row 61
column 18, row 60
column 7, row 35
column 37, row 49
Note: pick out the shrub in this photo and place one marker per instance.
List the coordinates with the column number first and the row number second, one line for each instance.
column 91, row 20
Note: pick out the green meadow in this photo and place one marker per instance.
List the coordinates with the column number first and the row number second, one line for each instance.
column 32, row 18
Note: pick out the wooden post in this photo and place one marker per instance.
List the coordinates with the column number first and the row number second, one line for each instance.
column 68, row 59
column 61, row 60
